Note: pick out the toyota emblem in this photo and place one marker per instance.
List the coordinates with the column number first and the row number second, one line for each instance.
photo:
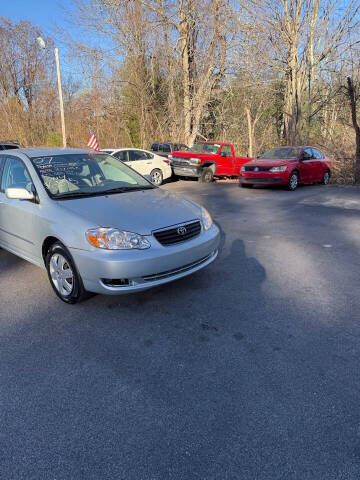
column 181, row 230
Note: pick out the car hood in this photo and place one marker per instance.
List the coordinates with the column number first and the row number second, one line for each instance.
column 192, row 154
column 274, row 162
column 140, row 211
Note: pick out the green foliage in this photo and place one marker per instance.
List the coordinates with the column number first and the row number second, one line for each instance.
column 133, row 126
column 53, row 139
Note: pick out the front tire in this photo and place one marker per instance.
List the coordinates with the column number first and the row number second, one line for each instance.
column 156, row 177
column 63, row 275
column 326, row 178
column 293, row 181
column 207, row 175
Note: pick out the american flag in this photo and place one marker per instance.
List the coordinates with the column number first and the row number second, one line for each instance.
column 92, row 143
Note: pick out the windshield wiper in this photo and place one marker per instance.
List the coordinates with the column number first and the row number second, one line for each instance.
column 77, row 195
column 128, row 189
column 69, row 195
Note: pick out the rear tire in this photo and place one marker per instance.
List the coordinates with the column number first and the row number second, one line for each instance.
column 63, row 275
column 207, row 175
column 246, row 185
column 156, row 177
column 293, row 181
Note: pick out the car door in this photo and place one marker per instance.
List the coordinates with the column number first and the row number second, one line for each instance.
column 307, row 165
column 139, row 161
column 18, row 224
column 319, row 165
column 225, row 161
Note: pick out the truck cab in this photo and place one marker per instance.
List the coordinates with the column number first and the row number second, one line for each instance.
column 206, row 160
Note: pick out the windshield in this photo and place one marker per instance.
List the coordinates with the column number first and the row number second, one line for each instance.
column 205, row 147
column 86, row 174
column 282, row 153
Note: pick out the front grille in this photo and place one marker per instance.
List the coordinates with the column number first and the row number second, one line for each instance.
column 176, row 271
column 259, row 169
column 179, row 161
column 261, row 180
column 176, row 234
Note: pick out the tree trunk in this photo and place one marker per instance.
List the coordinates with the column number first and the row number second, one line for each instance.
column 310, row 53
column 187, row 36
column 250, row 132
column 352, row 98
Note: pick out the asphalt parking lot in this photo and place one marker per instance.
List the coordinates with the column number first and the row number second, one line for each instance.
column 249, row 369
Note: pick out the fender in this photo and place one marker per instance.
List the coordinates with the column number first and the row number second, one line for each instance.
column 211, row 165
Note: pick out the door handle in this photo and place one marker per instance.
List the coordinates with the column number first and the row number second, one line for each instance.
column 148, row 163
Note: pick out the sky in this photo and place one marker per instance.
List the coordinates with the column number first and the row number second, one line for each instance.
column 44, row 13
column 49, row 15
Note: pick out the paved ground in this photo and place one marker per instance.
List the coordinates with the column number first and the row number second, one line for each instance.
column 247, row 370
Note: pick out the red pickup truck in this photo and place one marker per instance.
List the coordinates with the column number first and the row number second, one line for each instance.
column 206, row 160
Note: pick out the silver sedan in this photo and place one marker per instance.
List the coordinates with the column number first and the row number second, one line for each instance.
column 96, row 225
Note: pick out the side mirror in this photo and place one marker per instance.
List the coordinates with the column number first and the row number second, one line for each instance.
column 19, row 194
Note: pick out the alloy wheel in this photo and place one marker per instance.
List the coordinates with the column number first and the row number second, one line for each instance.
column 293, row 182
column 62, row 275
column 156, row 178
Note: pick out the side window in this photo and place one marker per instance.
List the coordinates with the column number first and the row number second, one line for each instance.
column 122, row 155
column 307, row 154
column 15, row 175
column 317, row 154
column 226, row 151
column 135, row 155
column 149, row 156
column 166, row 148
column 154, row 147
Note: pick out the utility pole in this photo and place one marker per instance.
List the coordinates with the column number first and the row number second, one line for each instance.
column 56, row 51
column 42, row 45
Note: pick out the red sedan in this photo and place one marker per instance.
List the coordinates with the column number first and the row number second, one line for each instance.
column 288, row 166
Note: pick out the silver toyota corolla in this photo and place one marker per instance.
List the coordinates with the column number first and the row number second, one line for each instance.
column 96, row 225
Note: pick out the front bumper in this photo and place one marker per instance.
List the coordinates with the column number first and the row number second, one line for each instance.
column 185, row 170
column 144, row 269
column 264, row 178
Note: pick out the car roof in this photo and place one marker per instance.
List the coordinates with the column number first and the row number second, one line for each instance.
column 295, row 146
column 124, row 148
column 45, row 152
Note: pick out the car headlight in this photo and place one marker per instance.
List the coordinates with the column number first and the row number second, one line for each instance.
column 282, row 168
column 206, row 219
column 242, row 168
column 114, row 239
column 195, row 161
column 170, row 157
